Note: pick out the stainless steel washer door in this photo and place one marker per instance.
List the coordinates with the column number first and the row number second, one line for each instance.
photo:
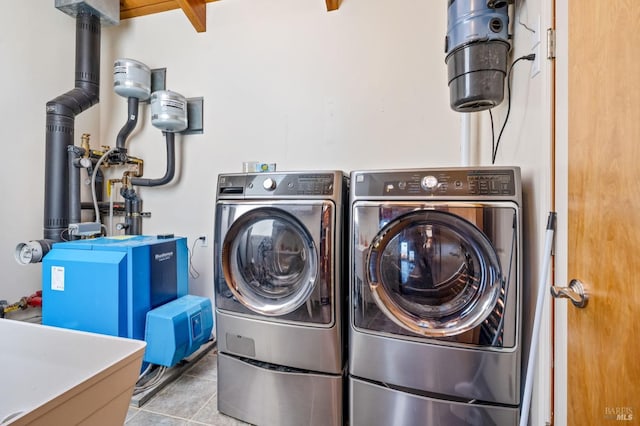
column 433, row 273
column 269, row 261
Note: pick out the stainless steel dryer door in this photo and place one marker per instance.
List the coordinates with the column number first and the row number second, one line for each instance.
column 433, row 272
column 275, row 260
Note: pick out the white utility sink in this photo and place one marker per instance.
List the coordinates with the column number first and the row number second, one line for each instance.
column 54, row 376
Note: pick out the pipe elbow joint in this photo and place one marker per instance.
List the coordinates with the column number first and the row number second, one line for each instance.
column 73, row 102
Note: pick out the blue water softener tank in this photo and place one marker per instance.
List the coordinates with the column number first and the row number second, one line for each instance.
column 177, row 329
column 477, row 49
column 107, row 285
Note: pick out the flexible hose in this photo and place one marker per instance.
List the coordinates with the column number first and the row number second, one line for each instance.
column 93, row 183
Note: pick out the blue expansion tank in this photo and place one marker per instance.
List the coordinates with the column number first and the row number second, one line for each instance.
column 107, row 285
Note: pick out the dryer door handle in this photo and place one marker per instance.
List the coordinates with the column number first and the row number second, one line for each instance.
column 576, row 292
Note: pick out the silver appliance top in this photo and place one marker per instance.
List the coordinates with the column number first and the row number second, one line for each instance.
column 282, row 185
column 461, row 183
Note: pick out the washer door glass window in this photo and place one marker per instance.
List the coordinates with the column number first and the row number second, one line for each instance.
column 434, row 273
column 270, row 262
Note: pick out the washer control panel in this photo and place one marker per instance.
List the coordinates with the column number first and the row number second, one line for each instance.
column 441, row 182
column 275, row 184
column 428, row 182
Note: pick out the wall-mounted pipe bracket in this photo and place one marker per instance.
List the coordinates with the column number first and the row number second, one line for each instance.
column 158, row 80
column 195, row 121
column 107, row 10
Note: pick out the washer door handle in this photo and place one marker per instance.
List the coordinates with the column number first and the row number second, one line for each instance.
column 576, row 292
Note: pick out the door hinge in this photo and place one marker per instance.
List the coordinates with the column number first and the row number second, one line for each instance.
column 551, row 43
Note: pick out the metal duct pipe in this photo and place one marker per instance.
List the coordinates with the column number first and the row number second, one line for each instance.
column 60, row 121
column 61, row 113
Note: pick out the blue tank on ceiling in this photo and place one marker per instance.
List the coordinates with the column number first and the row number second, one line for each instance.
column 107, row 285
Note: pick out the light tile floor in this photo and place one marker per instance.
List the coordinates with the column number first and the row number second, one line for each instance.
column 189, row 400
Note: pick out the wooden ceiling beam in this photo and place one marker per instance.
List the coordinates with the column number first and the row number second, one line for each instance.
column 195, row 10
column 332, row 4
column 134, row 8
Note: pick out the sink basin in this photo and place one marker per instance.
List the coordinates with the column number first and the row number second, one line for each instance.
column 54, row 376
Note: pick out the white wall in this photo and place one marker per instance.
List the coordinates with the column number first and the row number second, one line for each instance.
column 283, row 81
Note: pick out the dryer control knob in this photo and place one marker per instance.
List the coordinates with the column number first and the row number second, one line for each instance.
column 429, row 182
column 269, row 184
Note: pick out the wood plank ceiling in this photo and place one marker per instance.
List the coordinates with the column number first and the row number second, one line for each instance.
column 195, row 10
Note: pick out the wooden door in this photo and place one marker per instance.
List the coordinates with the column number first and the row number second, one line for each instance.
column 604, row 211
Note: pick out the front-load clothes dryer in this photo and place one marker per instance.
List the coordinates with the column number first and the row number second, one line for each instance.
column 280, row 297
column 435, row 297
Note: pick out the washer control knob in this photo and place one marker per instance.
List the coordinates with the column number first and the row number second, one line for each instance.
column 429, row 182
column 269, row 184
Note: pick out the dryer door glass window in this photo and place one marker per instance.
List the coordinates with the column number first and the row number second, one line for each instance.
column 270, row 262
column 434, row 273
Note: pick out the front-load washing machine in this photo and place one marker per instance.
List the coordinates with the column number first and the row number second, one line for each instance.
column 435, row 297
column 280, row 297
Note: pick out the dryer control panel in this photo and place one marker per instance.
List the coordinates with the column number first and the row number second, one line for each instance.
column 461, row 182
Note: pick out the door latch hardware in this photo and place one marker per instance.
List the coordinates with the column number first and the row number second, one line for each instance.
column 575, row 292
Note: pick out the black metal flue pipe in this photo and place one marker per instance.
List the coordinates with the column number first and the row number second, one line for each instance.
column 61, row 113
